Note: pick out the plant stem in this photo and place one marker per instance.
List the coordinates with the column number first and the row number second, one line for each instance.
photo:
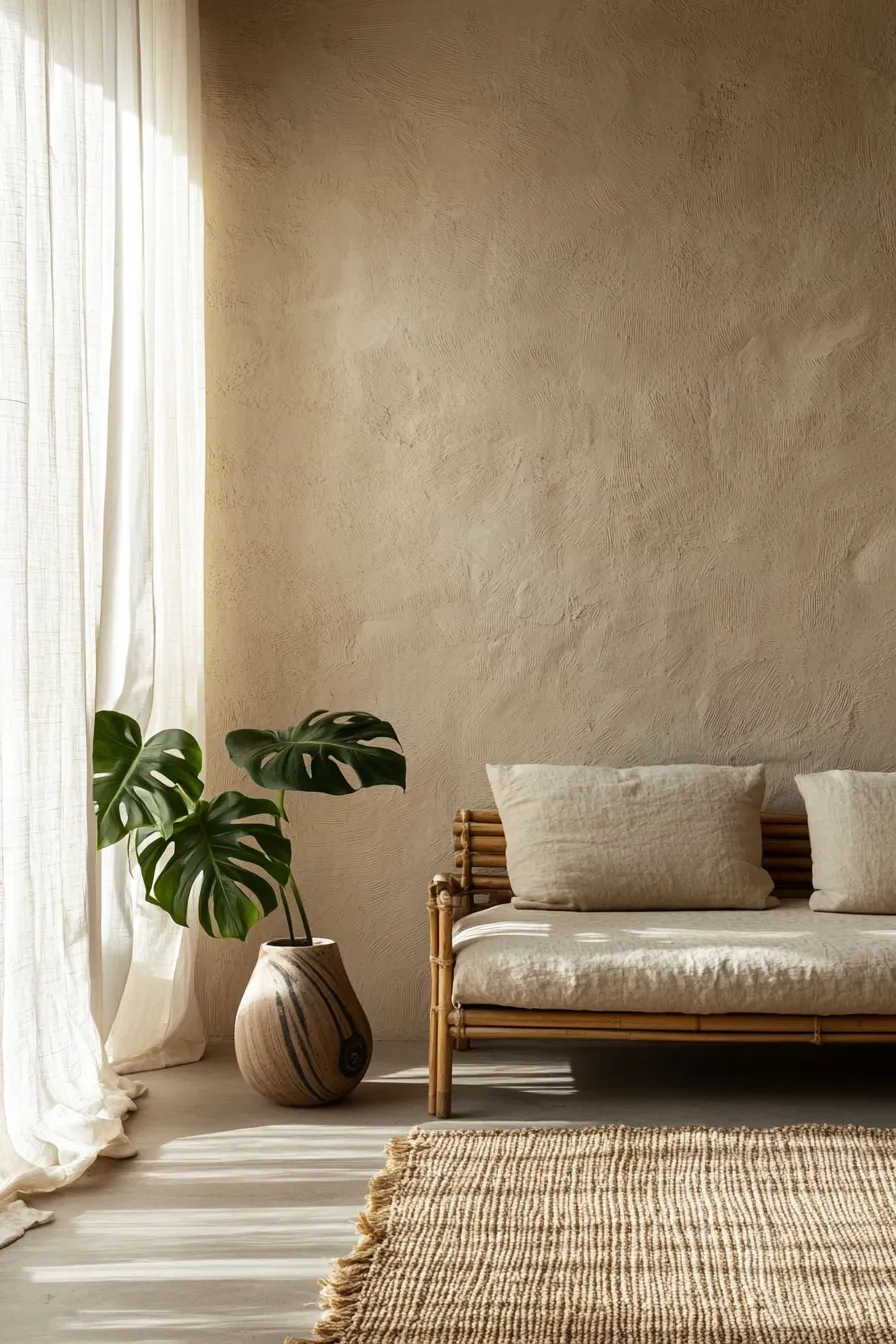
column 285, row 903
column 298, row 900
column 281, row 807
column 191, row 806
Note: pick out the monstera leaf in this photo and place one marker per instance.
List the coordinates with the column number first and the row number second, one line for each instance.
column 307, row 758
column 212, row 848
column 138, row 784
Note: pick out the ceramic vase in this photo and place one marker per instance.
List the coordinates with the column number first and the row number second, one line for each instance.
column 302, row 1037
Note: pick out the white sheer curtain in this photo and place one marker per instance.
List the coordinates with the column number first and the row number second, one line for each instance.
column 101, row 530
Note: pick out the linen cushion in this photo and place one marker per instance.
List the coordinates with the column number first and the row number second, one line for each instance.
column 787, row 960
column 643, row 838
column 852, row 828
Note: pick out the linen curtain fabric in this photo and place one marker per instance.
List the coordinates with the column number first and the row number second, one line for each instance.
column 101, row 551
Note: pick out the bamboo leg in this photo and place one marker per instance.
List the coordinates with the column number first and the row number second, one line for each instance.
column 465, row 908
column 446, row 976
column 443, row 1074
column 433, row 997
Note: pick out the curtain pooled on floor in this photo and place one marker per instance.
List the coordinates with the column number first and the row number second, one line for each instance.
column 101, row 550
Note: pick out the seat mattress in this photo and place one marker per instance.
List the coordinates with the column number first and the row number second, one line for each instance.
column 786, row 960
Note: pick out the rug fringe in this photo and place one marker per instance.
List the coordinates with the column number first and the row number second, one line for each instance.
column 341, row 1291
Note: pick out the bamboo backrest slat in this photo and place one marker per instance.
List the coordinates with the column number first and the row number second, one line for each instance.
column 479, row 850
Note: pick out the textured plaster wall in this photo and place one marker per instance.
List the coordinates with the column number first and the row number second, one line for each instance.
column 552, row 387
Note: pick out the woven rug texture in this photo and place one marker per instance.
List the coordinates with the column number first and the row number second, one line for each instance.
column 624, row 1235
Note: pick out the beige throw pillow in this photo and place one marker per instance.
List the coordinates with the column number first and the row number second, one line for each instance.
column 852, row 828
column 647, row 838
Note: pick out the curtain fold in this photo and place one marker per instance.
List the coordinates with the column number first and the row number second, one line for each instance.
column 101, row 550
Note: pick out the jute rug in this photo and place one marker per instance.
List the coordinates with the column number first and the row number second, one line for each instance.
column 625, row 1236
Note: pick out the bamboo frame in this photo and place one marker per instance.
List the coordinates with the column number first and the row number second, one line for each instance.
column 433, row 910
column 478, row 844
column 445, row 896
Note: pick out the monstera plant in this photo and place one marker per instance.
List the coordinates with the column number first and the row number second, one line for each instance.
column 230, row 851
column 301, row 1035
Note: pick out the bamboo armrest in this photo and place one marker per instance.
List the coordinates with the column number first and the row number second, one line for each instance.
column 445, row 893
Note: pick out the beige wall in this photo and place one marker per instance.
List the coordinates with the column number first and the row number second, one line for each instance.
column 552, row 383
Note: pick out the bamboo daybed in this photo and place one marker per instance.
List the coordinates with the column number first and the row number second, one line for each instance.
column 479, row 853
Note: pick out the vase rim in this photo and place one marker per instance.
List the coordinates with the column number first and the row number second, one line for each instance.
column 301, row 947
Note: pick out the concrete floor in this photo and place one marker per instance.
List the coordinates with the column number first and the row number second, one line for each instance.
column 220, row 1228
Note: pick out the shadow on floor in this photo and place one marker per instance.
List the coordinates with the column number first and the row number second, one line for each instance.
column 234, row 1208
column 677, row 1084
